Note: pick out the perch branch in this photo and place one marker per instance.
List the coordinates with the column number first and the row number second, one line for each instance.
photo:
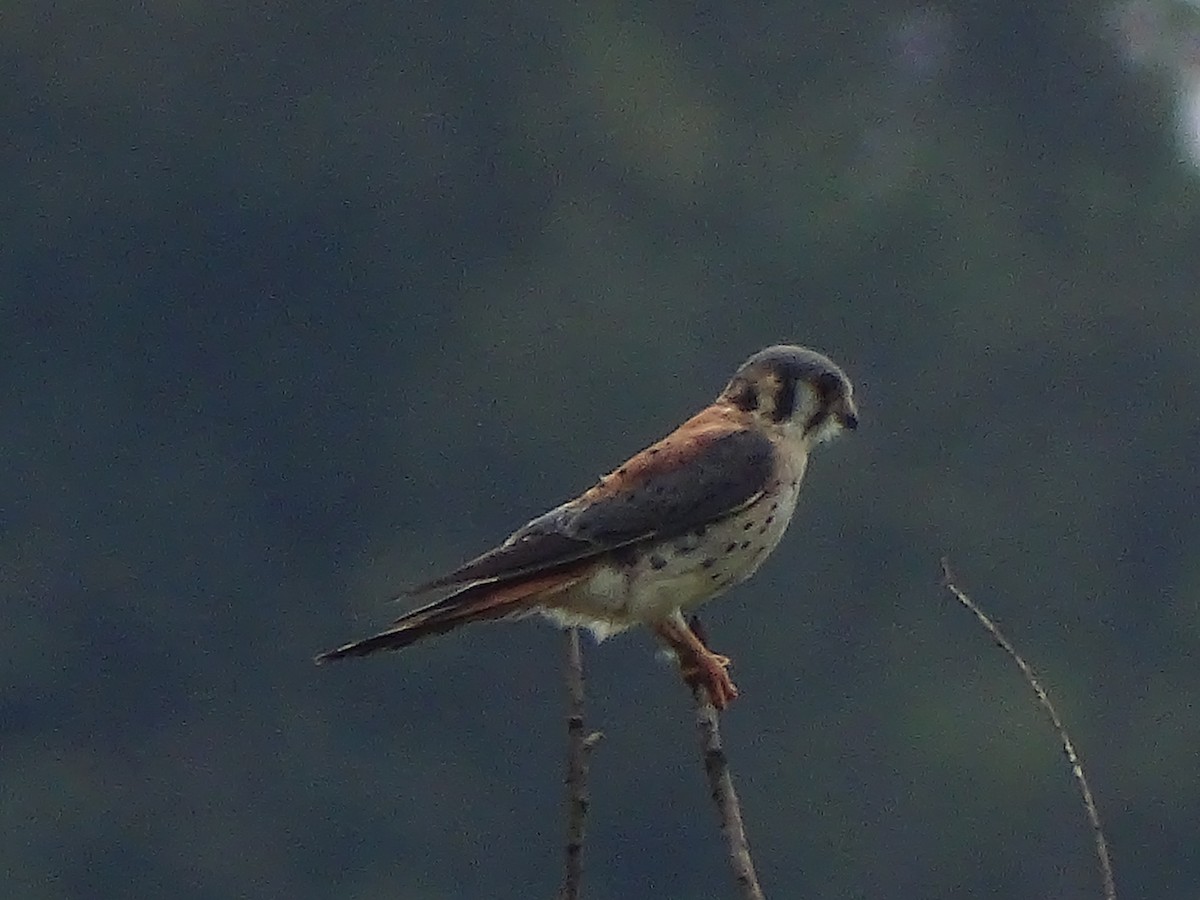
column 720, row 782
column 1085, row 791
column 579, row 747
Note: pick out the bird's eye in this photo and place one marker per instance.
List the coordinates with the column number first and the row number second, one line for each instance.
column 828, row 385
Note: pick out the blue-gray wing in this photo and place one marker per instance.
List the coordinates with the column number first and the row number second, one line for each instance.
column 676, row 486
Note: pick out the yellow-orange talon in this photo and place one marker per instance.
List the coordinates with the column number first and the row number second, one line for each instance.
column 708, row 671
column 698, row 665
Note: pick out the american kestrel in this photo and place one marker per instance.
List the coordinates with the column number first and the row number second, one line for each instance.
column 673, row 527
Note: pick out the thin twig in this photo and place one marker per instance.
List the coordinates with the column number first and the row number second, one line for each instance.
column 579, row 747
column 1085, row 791
column 720, row 782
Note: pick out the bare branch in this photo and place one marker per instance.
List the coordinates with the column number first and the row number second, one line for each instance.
column 1085, row 791
column 720, row 782
column 579, row 747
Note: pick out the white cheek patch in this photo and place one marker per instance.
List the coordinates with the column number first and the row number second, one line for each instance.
column 828, row 429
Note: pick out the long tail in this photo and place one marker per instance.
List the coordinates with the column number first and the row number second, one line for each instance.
column 477, row 603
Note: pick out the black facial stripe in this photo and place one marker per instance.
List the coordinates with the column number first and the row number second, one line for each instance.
column 829, row 389
column 745, row 396
column 785, row 399
column 817, row 418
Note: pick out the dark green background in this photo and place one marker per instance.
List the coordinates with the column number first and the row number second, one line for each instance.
column 303, row 302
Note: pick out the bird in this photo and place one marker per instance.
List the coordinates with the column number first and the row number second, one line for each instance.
column 676, row 525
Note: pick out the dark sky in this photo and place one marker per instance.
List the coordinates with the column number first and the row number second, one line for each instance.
column 304, row 303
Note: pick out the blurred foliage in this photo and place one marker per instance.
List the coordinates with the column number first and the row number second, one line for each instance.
column 303, row 302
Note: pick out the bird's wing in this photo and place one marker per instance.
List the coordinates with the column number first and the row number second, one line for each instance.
column 697, row 475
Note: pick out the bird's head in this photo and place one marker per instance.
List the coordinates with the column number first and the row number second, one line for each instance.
column 795, row 389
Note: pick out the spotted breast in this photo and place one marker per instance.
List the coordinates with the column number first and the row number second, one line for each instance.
column 643, row 584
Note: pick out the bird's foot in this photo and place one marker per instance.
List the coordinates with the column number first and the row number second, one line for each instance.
column 709, row 671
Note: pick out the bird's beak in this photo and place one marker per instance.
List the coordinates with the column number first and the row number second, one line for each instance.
column 849, row 417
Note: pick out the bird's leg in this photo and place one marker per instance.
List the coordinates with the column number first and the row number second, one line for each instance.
column 698, row 665
column 711, row 665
